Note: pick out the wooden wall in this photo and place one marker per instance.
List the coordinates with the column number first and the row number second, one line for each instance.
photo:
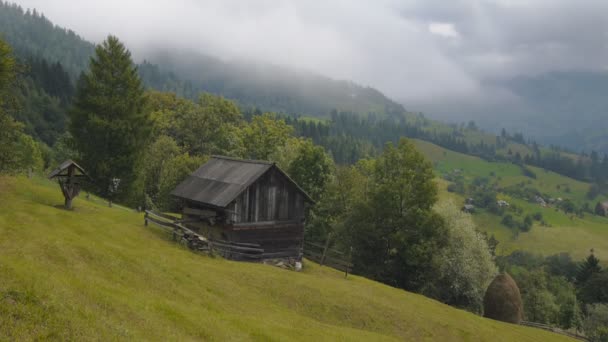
column 270, row 198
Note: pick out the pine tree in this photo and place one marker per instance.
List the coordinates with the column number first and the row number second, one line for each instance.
column 108, row 120
column 587, row 268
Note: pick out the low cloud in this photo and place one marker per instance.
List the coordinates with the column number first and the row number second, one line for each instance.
column 428, row 54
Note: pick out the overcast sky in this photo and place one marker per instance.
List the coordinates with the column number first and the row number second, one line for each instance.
column 419, row 52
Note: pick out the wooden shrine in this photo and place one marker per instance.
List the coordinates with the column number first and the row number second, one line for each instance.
column 70, row 176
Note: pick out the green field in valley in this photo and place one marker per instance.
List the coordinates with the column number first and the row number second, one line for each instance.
column 564, row 232
column 96, row 273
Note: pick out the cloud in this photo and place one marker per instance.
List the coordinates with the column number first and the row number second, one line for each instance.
column 444, row 29
column 429, row 54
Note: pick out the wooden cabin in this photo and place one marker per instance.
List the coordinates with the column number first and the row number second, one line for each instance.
column 245, row 201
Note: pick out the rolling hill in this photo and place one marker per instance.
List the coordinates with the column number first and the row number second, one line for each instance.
column 563, row 232
column 188, row 73
column 97, row 273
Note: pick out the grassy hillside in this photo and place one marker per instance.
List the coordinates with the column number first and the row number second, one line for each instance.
column 565, row 233
column 97, row 273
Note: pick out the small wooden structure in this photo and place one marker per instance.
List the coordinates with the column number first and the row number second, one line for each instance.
column 245, row 202
column 70, row 176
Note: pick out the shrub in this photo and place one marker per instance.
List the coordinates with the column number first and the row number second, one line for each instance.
column 502, row 301
column 467, row 264
column 528, row 172
column 596, row 322
column 508, row 221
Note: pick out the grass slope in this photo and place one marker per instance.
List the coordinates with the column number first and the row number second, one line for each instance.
column 97, row 273
column 566, row 233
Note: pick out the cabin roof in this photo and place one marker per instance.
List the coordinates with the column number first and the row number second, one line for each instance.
column 64, row 166
column 222, row 179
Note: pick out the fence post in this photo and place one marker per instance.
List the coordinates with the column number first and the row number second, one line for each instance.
column 146, row 218
column 325, row 249
column 350, row 260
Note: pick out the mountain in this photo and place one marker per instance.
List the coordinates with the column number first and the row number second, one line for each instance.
column 97, row 273
column 31, row 34
column 565, row 108
column 188, row 73
column 270, row 87
column 568, row 109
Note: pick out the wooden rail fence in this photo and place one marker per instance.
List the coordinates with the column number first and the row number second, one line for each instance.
column 227, row 249
column 554, row 330
column 325, row 256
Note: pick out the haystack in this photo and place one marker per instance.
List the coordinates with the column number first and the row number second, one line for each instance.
column 502, row 301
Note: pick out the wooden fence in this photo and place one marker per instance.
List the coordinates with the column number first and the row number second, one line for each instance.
column 227, row 249
column 325, row 256
column 554, row 330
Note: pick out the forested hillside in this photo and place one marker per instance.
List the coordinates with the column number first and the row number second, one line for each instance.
column 32, row 35
column 268, row 87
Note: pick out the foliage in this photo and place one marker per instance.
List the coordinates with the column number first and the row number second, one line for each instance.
column 32, row 34
column 311, row 169
column 594, row 289
column 18, row 151
column 10, row 131
column 395, row 232
column 561, row 265
column 210, row 128
column 174, row 171
column 467, row 265
column 63, row 149
column 588, row 268
column 157, row 155
column 264, row 136
column 548, row 299
column 335, row 206
column 108, row 121
column 596, row 322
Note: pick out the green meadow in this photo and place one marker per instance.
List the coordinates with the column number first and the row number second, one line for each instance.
column 96, row 273
column 564, row 232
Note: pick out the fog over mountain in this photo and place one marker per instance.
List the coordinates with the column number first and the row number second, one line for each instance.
column 452, row 59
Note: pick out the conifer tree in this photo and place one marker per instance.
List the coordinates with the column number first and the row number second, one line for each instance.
column 588, row 268
column 108, row 120
column 10, row 130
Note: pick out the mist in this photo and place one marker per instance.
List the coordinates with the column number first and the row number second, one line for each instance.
column 444, row 58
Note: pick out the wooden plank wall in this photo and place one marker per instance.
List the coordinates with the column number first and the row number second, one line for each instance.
column 271, row 197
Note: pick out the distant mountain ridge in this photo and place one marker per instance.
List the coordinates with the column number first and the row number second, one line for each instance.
column 31, row 34
column 568, row 108
column 265, row 86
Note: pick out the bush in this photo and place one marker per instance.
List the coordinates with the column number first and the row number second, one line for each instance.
column 596, row 322
column 467, row 264
column 528, row 173
column 508, row 221
column 502, row 300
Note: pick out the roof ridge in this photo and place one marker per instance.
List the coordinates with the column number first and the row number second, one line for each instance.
column 252, row 161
